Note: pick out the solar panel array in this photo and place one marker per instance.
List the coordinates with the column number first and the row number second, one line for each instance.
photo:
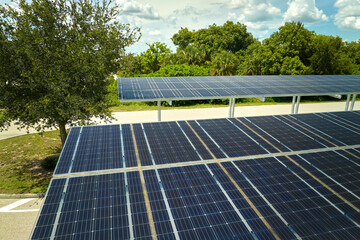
column 273, row 177
column 212, row 87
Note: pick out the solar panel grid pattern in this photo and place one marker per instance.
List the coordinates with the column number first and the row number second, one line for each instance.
column 99, row 148
column 287, row 135
column 145, row 89
column 341, row 170
column 168, row 143
column 234, row 142
column 49, row 209
column 200, row 209
column 302, row 207
column 340, row 134
column 206, row 203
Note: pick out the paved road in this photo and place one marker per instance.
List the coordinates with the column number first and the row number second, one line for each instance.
column 204, row 113
column 17, row 217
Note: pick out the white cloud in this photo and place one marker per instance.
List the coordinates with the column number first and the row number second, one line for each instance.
column 253, row 11
column 348, row 15
column 156, row 32
column 304, row 11
column 141, row 10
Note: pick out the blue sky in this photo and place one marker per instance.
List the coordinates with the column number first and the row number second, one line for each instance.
column 160, row 19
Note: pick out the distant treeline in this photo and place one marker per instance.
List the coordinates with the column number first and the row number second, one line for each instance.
column 231, row 50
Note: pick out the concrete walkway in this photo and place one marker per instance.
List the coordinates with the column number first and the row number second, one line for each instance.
column 204, row 113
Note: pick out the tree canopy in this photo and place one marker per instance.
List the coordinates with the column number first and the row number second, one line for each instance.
column 56, row 57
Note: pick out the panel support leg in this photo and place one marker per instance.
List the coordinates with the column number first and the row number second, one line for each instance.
column 293, row 105
column 297, row 104
column 353, row 102
column 230, row 106
column 347, row 102
column 233, row 107
column 159, row 111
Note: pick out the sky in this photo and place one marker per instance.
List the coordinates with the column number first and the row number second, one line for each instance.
column 159, row 20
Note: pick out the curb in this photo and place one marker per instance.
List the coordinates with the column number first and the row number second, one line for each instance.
column 19, row 196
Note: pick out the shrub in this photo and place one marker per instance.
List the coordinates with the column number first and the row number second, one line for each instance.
column 49, row 163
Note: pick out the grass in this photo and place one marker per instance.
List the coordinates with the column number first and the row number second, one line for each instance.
column 20, row 162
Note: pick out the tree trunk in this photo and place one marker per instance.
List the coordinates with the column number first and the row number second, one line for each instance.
column 63, row 133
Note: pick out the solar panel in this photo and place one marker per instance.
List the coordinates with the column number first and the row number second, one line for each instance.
column 176, row 88
column 274, row 177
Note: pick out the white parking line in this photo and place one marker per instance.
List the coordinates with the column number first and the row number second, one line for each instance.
column 8, row 208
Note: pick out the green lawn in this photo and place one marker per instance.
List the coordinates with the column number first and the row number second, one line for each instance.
column 20, row 158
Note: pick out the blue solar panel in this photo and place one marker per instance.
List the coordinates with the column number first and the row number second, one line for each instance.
column 307, row 211
column 249, row 190
column 339, row 133
column 147, row 89
column 290, row 138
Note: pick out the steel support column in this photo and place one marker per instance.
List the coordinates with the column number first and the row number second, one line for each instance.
column 293, row 104
column 347, row 102
column 230, row 106
column 353, row 102
column 159, row 111
column 233, row 107
column 297, row 104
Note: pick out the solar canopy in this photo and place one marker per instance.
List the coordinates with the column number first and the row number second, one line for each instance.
column 273, row 177
column 215, row 87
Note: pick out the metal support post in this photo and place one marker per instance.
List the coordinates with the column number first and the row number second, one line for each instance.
column 347, row 102
column 297, row 104
column 293, row 105
column 233, row 107
column 230, row 105
column 353, row 102
column 159, row 111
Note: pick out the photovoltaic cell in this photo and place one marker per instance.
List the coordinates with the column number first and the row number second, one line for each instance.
column 234, row 142
column 338, row 132
column 48, row 212
column 336, row 171
column 199, row 207
column 168, row 143
column 99, row 148
column 307, row 212
column 292, row 138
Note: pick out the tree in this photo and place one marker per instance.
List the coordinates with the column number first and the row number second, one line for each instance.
column 63, row 51
column 153, row 58
column 224, row 64
column 330, row 56
column 231, row 37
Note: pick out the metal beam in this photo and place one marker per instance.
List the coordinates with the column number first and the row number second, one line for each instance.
column 297, row 104
column 159, row 111
column 261, row 99
column 293, row 105
column 353, row 102
column 347, row 102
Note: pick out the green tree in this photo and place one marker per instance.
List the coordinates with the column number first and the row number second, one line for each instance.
column 231, row 37
column 181, row 70
column 224, row 64
column 330, row 56
column 154, row 57
column 63, row 51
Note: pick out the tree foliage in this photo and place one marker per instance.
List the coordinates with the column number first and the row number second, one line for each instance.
column 152, row 59
column 60, row 53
